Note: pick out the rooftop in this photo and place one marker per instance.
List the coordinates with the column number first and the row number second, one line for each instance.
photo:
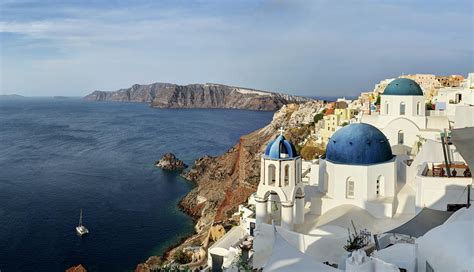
column 358, row 144
column 403, row 86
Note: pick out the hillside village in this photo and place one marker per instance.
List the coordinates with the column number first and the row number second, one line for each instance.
column 341, row 186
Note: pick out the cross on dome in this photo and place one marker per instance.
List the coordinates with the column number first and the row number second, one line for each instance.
column 281, row 130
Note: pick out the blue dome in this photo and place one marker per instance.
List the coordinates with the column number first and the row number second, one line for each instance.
column 403, row 86
column 358, row 144
column 280, row 148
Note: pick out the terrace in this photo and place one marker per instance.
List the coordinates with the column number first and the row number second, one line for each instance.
column 456, row 170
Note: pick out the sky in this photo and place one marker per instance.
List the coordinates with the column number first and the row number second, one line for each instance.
column 311, row 48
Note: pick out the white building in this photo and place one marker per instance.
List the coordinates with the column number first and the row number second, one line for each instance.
column 458, row 103
column 359, row 180
column 359, row 169
column 448, row 247
column 403, row 118
column 370, row 177
column 247, row 215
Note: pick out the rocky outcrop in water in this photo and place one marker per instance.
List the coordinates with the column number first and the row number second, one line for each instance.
column 78, row 268
column 167, row 95
column 169, row 162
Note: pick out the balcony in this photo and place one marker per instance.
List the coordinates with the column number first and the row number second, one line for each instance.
column 457, row 170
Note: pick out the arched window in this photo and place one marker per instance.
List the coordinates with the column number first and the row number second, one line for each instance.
column 386, row 108
column 287, row 175
column 418, row 108
column 271, row 174
column 401, row 137
column 402, row 108
column 350, row 188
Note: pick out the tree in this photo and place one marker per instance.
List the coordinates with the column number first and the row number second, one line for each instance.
column 430, row 105
column 377, row 101
column 318, row 117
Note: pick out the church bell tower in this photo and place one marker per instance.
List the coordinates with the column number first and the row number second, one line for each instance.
column 280, row 194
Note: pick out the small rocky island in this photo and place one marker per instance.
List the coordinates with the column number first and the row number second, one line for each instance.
column 169, row 162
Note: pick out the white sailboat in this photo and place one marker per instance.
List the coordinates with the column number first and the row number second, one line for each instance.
column 81, row 229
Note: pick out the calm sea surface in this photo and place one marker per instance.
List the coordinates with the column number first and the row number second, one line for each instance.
column 58, row 156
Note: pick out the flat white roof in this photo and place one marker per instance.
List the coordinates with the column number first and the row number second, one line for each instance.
column 287, row 258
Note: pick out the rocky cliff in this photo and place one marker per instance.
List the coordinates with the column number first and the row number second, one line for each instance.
column 224, row 182
column 167, row 95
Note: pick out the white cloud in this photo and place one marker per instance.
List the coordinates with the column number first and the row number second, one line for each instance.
column 267, row 47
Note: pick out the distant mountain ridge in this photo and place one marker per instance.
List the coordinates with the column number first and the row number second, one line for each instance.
column 208, row 95
column 11, row 96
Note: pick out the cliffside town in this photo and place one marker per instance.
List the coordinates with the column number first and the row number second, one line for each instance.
column 224, row 182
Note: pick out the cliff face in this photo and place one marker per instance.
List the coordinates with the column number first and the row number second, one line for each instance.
column 166, row 95
column 228, row 180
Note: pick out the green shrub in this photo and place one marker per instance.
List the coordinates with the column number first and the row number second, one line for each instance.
column 377, row 101
column 430, row 105
column 318, row 117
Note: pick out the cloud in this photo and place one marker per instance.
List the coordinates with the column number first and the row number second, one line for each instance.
column 291, row 46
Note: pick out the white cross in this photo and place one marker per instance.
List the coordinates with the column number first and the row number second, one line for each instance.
column 281, row 130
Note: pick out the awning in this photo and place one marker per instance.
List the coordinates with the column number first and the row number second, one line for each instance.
column 424, row 221
column 463, row 139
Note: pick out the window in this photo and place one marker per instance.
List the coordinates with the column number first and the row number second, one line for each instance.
column 418, row 107
column 298, row 174
column 386, row 108
column 400, row 137
column 271, row 174
column 402, row 108
column 287, row 175
column 378, row 188
column 349, row 188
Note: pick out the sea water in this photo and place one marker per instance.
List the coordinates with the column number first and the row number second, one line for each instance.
column 60, row 155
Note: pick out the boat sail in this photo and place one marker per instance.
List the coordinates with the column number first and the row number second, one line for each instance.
column 81, row 229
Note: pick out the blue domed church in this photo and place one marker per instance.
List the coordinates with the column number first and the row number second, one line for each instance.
column 358, row 169
column 403, row 117
column 280, row 193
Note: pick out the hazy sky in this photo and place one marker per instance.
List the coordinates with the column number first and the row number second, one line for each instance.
column 301, row 47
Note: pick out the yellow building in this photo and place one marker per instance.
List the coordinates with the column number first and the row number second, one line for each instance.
column 332, row 121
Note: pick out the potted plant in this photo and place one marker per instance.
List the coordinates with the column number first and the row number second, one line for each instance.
column 357, row 240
